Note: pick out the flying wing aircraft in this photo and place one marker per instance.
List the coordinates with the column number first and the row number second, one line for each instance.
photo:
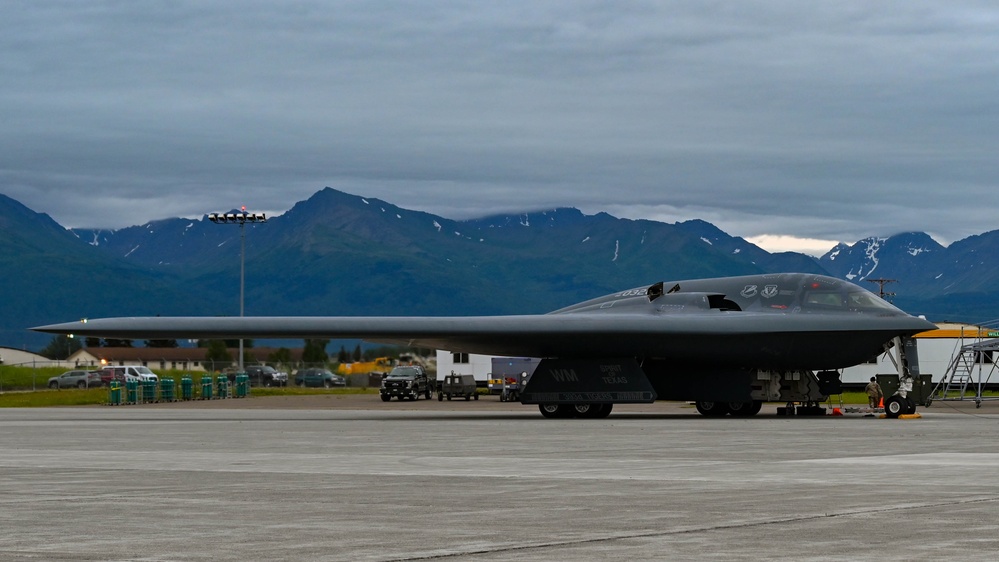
column 727, row 344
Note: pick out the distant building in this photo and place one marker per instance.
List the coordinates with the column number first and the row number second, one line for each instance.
column 166, row 358
column 482, row 367
column 12, row 356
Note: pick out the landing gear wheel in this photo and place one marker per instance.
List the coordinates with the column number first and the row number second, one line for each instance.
column 910, row 405
column 711, row 409
column 745, row 409
column 556, row 410
column 895, row 407
column 592, row 411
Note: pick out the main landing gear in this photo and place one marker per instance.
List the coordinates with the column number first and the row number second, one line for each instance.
column 586, row 411
column 735, row 409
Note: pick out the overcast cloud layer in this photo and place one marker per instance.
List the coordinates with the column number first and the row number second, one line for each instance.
column 829, row 121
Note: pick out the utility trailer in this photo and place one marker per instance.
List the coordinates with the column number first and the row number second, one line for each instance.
column 457, row 386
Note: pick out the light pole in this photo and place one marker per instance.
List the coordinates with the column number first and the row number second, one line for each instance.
column 240, row 218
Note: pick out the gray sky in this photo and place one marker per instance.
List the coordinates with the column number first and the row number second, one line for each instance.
column 814, row 120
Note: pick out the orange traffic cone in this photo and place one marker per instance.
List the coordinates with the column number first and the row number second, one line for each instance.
column 881, row 404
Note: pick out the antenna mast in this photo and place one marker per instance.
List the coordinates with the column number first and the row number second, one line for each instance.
column 881, row 287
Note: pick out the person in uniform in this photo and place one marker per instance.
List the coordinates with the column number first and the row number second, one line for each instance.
column 874, row 394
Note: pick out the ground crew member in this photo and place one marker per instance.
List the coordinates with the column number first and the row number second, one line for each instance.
column 874, row 394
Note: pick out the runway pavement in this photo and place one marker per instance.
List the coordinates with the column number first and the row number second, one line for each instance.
column 478, row 481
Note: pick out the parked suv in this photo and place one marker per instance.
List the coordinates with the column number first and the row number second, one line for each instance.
column 319, row 377
column 77, row 379
column 409, row 382
column 265, row 375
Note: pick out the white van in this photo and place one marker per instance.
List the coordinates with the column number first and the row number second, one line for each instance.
column 136, row 373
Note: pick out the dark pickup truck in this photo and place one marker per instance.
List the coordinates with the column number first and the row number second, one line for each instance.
column 409, row 382
column 265, row 375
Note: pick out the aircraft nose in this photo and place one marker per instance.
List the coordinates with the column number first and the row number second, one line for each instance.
column 922, row 324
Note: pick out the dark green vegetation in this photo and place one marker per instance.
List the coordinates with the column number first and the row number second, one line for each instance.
column 339, row 254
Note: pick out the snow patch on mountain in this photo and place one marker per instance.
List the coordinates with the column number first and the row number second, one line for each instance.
column 871, row 252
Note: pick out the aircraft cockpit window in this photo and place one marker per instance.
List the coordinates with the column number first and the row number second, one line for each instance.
column 816, row 299
column 865, row 300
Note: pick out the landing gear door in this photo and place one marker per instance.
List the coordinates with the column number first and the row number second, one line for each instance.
column 591, row 381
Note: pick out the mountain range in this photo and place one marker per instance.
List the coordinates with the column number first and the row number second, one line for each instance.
column 342, row 254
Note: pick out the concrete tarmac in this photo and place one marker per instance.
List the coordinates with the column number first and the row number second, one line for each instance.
column 362, row 480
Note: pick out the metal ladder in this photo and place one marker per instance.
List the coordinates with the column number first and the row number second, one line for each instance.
column 958, row 375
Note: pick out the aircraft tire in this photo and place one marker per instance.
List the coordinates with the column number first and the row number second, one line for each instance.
column 594, row 411
column 910, row 405
column 745, row 409
column 556, row 410
column 711, row 409
column 895, row 407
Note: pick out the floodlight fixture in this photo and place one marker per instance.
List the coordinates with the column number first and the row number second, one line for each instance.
column 240, row 218
column 237, row 218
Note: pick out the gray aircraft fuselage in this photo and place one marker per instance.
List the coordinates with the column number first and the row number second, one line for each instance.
column 777, row 321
